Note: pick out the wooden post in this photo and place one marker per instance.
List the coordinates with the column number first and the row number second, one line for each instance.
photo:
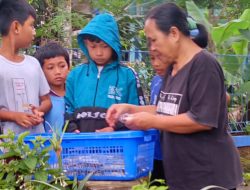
column 111, row 185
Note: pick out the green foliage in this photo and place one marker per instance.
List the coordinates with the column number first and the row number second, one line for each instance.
column 220, row 11
column 25, row 166
column 198, row 14
column 129, row 25
column 246, row 177
column 19, row 163
column 114, row 6
column 244, row 88
column 147, row 184
column 232, row 37
column 145, row 73
column 232, row 9
column 229, row 37
column 129, row 30
column 52, row 29
column 56, row 142
column 82, row 184
column 52, row 17
column 247, row 131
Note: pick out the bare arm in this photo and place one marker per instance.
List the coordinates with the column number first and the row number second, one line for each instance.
column 25, row 120
column 116, row 110
column 145, row 117
column 45, row 104
column 7, row 115
column 136, row 109
column 181, row 124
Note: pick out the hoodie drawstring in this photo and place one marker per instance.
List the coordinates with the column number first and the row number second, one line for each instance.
column 98, row 77
column 88, row 70
column 116, row 83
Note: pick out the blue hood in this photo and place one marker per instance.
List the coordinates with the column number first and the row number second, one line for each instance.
column 104, row 27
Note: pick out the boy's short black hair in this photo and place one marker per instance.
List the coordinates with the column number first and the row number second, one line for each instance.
column 94, row 38
column 11, row 10
column 51, row 50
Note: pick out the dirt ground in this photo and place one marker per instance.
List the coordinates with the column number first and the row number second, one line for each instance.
column 245, row 161
column 244, row 188
column 245, row 158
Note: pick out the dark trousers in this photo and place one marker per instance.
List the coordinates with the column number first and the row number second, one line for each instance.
column 158, row 171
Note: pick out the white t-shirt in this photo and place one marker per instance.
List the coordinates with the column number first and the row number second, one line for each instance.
column 21, row 84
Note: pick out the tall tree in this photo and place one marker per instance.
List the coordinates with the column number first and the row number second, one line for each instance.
column 65, row 6
column 56, row 20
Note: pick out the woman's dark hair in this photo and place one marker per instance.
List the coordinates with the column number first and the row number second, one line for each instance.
column 201, row 39
column 11, row 10
column 51, row 50
column 169, row 14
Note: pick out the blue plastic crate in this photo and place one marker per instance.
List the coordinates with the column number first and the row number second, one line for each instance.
column 158, row 153
column 124, row 155
column 242, row 141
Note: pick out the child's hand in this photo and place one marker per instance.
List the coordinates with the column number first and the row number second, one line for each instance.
column 26, row 120
column 76, row 131
column 36, row 111
column 105, row 129
column 38, row 114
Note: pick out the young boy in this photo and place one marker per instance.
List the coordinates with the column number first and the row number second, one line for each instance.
column 54, row 60
column 93, row 87
column 24, row 90
column 160, row 69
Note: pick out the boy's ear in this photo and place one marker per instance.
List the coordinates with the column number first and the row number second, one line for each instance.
column 15, row 27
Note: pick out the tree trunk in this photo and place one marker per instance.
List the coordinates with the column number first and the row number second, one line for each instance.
column 65, row 7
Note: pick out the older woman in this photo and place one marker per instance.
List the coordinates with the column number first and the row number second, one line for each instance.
column 191, row 111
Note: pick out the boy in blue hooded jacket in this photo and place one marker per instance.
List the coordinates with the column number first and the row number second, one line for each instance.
column 94, row 86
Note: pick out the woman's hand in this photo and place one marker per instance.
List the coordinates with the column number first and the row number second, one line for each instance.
column 115, row 111
column 139, row 121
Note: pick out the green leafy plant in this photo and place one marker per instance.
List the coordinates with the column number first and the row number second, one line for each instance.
column 147, row 184
column 81, row 185
column 24, row 164
column 71, row 185
column 231, row 37
column 129, row 25
column 20, row 163
column 56, row 141
column 247, row 131
column 145, row 73
column 246, row 178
